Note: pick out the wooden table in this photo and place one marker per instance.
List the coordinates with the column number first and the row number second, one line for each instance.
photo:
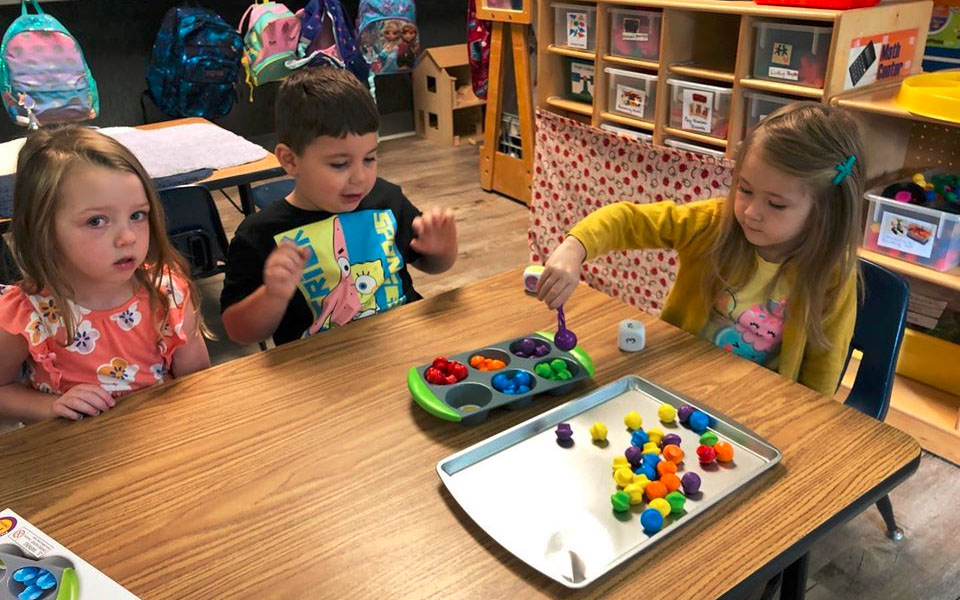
column 307, row 472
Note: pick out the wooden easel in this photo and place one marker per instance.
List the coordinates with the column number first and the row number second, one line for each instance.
column 501, row 172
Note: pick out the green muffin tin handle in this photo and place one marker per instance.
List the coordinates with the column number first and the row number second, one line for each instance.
column 578, row 353
column 69, row 585
column 427, row 399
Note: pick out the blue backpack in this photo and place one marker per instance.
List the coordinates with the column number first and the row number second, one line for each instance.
column 327, row 38
column 44, row 77
column 195, row 64
column 389, row 38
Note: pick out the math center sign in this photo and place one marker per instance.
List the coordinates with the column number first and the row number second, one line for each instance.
column 882, row 57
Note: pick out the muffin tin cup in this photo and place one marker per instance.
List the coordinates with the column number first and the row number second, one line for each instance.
column 471, row 400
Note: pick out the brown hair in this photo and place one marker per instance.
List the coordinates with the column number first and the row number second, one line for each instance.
column 46, row 158
column 323, row 101
column 806, row 140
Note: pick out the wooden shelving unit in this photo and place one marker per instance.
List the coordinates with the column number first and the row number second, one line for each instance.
column 709, row 42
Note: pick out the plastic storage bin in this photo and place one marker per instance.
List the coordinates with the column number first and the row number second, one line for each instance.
column 579, row 83
column 917, row 234
column 793, row 53
column 630, row 133
column 760, row 105
column 635, row 33
column 631, row 94
column 700, row 107
column 693, row 148
column 575, row 26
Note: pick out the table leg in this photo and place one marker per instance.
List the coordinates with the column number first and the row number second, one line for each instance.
column 246, row 198
column 795, row 579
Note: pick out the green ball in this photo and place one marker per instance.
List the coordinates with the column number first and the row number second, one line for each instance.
column 544, row 370
column 676, row 501
column 558, row 365
column 708, row 439
column 620, row 501
column 564, row 375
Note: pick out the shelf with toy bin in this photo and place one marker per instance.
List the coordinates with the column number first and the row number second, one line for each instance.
column 695, row 148
column 699, row 108
column 579, row 83
column 630, row 94
column 759, row 105
column 634, row 134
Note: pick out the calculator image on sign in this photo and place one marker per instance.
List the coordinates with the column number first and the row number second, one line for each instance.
column 862, row 63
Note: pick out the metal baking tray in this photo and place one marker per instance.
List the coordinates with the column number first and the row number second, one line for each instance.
column 550, row 505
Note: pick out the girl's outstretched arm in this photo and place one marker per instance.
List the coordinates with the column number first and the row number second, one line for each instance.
column 193, row 355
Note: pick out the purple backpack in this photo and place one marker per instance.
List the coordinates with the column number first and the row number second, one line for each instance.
column 327, row 38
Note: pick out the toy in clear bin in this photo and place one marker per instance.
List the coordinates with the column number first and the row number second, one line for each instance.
column 700, row 108
column 635, row 33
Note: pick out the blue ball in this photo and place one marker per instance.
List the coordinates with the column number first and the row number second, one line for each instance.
column 651, row 459
column 650, row 471
column 523, row 378
column 699, row 421
column 652, row 521
column 523, row 389
column 499, row 381
column 639, row 437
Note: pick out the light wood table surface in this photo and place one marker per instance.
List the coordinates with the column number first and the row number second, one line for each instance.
column 308, row 472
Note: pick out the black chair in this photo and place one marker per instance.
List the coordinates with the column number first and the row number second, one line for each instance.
column 194, row 227
column 878, row 334
column 9, row 272
column 268, row 193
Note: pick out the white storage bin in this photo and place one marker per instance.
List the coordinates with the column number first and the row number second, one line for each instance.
column 575, row 26
column 630, row 133
column 635, row 33
column 760, row 105
column 693, row 148
column 792, row 53
column 631, row 94
column 700, row 108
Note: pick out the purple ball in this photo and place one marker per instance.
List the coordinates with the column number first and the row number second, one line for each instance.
column 564, row 432
column 690, row 482
column 527, row 346
column 541, row 350
column 684, row 412
column 565, row 340
column 671, row 438
column 634, row 456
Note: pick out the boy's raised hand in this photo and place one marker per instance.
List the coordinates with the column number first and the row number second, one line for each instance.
column 561, row 274
column 282, row 271
column 436, row 234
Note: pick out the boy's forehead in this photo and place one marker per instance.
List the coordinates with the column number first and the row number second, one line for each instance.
column 352, row 143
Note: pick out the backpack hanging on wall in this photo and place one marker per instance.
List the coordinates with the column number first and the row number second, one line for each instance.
column 195, row 64
column 44, row 77
column 389, row 38
column 327, row 38
column 478, row 50
column 270, row 36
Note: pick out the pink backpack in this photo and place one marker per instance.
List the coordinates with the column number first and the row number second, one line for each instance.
column 270, row 35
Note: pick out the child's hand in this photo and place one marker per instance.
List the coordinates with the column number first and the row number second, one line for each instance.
column 436, row 233
column 561, row 273
column 82, row 399
column 282, row 271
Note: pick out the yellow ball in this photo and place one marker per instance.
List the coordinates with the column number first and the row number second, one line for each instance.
column 633, row 420
column 667, row 413
column 656, row 436
column 661, row 506
column 620, row 462
column 623, row 477
column 598, row 431
column 636, row 492
column 640, row 480
column 651, row 448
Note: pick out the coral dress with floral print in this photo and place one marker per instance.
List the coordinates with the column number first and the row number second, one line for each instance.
column 116, row 348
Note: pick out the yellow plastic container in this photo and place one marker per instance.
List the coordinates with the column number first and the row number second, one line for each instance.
column 930, row 360
column 934, row 95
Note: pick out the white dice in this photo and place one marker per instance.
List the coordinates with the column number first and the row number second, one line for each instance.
column 531, row 277
column 632, row 335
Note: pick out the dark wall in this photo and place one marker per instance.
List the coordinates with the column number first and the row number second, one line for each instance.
column 117, row 36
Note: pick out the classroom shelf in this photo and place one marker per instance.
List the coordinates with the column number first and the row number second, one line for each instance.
column 650, row 65
column 570, row 105
column 581, row 54
column 702, row 73
column 949, row 279
column 883, row 101
column 696, row 137
column 782, row 88
column 622, row 120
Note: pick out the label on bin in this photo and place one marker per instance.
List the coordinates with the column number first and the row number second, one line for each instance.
column 698, row 111
column 630, row 100
column 577, row 30
column 581, row 78
column 781, row 73
column 907, row 235
column 781, row 53
column 636, row 29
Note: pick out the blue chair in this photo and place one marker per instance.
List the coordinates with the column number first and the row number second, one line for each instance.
column 878, row 334
column 268, row 193
column 195, row 229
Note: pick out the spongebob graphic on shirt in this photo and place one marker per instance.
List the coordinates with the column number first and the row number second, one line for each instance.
column 352, row 270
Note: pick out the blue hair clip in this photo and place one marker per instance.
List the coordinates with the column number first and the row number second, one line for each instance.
column 844, row 169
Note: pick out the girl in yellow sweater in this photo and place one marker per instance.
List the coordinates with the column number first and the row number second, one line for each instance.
column 769, row 272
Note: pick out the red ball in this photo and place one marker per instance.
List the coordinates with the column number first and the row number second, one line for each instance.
column 706, row 454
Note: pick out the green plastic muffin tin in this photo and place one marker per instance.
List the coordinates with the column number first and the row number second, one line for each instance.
column 471, row 400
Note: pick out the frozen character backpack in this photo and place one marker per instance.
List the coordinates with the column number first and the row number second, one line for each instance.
column 389, row 38
column 270, row 36
column 195, row 64
column 43, row 74
column 327, row 38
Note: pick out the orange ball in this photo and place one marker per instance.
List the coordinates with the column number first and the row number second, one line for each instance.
column 724, row 451
column 476, row 360
column 665, row 466
column 670, row 481
column 656, row 489
column 673, row 453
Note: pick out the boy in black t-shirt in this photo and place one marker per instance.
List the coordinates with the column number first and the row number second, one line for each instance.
column 336, row 249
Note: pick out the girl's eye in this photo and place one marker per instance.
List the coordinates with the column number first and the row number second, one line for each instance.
column 743, row 190
column 776, row 206
column 370, row 160
column 97, row 221
column 140, row 215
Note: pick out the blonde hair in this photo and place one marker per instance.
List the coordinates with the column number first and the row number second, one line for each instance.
column 805, row 140
column 45, row 160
